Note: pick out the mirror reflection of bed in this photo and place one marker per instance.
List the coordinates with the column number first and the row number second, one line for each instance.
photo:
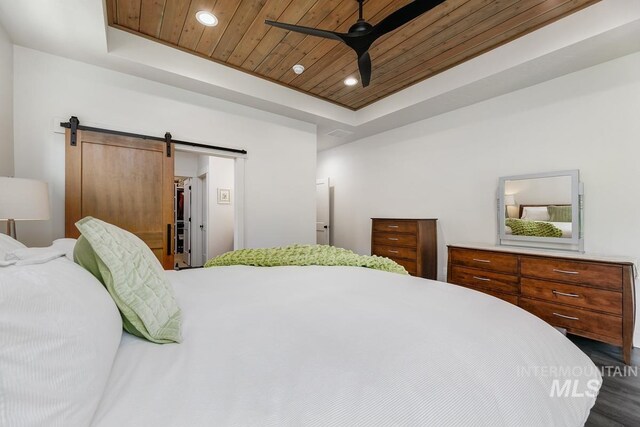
column 556, row 219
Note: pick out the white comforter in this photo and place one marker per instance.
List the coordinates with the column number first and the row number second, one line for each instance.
column 343, row 346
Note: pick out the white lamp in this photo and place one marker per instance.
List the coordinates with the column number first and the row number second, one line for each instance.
column 23, row 200
column 509, row 200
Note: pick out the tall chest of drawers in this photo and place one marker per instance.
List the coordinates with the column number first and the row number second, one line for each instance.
column 588, row 296
column 411, row 243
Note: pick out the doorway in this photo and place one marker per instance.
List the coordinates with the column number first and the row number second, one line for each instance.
column 323, row 212
column 205, row 207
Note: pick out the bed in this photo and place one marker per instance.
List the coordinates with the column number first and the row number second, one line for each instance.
column 565, row 227
column 289, row 346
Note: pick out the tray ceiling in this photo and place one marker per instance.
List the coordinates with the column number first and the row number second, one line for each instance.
column 450, row 34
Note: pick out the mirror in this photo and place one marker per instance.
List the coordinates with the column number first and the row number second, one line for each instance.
column 542, row 210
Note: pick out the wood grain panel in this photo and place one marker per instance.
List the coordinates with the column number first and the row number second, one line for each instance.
column 576, row 320
column 192, row 30
column 410, row 265
column 395, row 239
column 483, row 279
column 175, row 13
column 120, row 193
column 224, row 10
column 277, row 44
column 394, row 252
column 240, row 23
column 273, row 10
column 577, row 296
column 395, row 226
column 151, row 12
column 124, row 181
column 450, row 34
column 129, row 13
column 296, row 46
column 495, row 261
column 586, row 273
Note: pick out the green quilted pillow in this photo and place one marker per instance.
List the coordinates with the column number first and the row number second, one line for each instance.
column 134, row 278
column 559, row 213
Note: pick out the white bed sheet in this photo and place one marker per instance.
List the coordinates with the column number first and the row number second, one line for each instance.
column 565, row 227
column 342, row 346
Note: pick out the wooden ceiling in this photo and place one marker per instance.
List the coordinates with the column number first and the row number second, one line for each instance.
column 453, row 32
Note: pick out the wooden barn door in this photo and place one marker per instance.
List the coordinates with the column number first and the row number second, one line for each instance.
column 125, row 181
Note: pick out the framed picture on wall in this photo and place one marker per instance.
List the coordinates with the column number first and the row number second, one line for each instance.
column 224, row 196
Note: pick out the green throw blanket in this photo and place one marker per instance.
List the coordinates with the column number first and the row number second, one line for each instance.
column 521, row 227
column 304, row 255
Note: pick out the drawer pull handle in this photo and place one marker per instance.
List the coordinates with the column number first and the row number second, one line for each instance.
column 482, row 260
column 392, row 252
column 393, row 238
column 484, row 279
column 565, row 294
column 392, row 226
column 565, row 271
column 565, row 317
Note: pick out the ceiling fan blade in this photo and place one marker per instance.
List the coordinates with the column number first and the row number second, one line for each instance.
column 403, row 15
column 306, row 30
column 364, row 64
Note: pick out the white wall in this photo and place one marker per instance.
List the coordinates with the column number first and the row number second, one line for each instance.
column 6, row 104
column 448, row 167
column 280, row 169
column 221, row 175
column 185, row 164
column 540, row 191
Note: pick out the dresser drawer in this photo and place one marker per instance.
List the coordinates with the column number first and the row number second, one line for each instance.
column 483, row 279
column 410, row 266
column 394, row 239
column 577, row 320
column 586, row 273
column 395, row 226
column 395, row 252
column 578, row 296
column 505, row 263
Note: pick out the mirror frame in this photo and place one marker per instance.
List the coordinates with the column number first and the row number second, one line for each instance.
column 576, row 242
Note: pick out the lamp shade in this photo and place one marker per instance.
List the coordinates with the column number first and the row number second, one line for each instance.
column 23, row 199
column 509, row 200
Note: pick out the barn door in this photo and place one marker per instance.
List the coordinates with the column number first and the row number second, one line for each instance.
column 125, row 181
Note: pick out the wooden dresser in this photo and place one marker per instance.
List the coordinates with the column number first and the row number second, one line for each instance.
column 411, row 243
column 588, row 296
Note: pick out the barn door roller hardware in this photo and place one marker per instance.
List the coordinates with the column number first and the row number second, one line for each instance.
column 167, row 139
column 74, row 125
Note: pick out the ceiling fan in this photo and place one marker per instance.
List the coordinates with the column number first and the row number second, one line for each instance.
column 361, row 35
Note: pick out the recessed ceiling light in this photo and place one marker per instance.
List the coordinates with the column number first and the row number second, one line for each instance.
column 298, row 69
column 207, row 18
column 351, row 81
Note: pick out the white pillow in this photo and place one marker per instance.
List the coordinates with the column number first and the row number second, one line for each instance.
column 536, row 213
column 8, row 244
column 59, row 333
column 60, row 247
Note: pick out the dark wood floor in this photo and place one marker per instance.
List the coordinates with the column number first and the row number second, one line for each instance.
column 618, row 403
